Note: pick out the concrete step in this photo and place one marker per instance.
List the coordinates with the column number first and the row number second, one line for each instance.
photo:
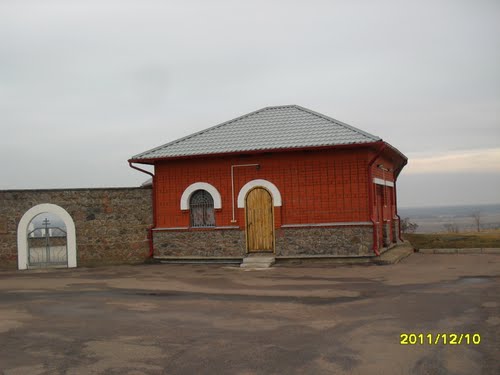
column 257, row 262
column 395, row 254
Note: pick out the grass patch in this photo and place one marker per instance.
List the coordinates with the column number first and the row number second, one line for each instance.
column 454, row 240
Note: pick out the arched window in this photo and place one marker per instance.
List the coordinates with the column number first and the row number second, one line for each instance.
column 201, row 205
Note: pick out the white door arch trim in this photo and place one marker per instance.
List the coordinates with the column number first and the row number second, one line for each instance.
column 22, row 231
column 259, row 183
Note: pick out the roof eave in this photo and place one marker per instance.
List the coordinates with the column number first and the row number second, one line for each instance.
column 403, row 162
column 253, row 152
column 395, row 150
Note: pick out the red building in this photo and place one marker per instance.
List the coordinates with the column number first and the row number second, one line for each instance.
column 284, row 180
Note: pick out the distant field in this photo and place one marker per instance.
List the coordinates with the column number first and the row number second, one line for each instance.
column 454, row 240
column 436, row 219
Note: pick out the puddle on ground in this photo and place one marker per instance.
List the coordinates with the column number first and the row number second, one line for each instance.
column 471, row 280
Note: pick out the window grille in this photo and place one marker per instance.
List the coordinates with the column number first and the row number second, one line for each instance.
column 201, row 206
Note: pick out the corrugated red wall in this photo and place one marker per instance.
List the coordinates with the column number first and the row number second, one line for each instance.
column 316, row 186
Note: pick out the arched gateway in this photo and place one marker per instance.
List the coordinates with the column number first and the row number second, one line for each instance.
column 22, row 233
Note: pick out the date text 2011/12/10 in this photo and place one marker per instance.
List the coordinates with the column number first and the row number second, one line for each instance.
column 439, row 338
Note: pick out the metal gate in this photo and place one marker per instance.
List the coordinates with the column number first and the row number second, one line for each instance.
column 47, row 246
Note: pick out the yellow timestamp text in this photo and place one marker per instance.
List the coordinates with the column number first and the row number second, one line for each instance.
column 439, row 338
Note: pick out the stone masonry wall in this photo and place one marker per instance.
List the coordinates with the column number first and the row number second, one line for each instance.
column 200, row 243
column 300, row 242
column 112, row 227
column 339, row 241
column 386, row 233
column 395, row 228
column 111, row 223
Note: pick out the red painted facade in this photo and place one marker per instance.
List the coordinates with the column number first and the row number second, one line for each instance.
column 324, row 186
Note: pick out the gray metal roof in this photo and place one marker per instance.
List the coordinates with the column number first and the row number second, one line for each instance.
column 270, row 128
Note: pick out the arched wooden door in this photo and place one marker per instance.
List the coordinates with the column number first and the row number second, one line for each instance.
column 259, row 221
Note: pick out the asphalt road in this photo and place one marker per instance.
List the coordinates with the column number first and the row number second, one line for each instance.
column 213, row 319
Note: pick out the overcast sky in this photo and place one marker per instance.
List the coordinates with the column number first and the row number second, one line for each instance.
column 84, row 85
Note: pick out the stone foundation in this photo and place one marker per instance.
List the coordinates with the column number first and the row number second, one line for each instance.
column 395, row 228
column 290, row 242
column 335, row 241
column 200, row 243
column 386, row 233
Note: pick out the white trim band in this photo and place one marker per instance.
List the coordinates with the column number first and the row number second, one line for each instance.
column 259, row 183
column 200, row 186
column 379, row 181
column 195, row 228
column 338, row 224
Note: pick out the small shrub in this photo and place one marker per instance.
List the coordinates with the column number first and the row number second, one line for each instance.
column 407, row 226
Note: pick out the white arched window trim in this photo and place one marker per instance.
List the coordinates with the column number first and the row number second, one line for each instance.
column 200, row 186
column 22, row 231
column 259, row 183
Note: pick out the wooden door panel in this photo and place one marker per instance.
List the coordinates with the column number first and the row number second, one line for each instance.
column 259, row 215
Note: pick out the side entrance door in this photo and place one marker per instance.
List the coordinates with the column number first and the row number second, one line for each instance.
column 259, row 221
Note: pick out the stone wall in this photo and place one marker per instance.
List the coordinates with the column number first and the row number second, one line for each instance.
column 200, row 243
column 111, row 223
column 293, row 242
column 337, row 241
column 386, row 233
column 112, row 227
column 395, row 228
